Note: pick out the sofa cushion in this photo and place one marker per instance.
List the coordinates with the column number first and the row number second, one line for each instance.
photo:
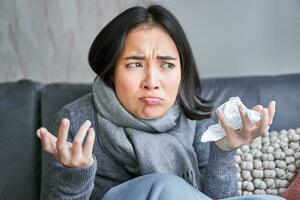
column 285, row 89
column 19, row 146
column 55, row 96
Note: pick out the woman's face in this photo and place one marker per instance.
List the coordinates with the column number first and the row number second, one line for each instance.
column 148, row 72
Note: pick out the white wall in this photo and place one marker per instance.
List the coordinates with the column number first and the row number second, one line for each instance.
column 249, row 37
column 48, row 40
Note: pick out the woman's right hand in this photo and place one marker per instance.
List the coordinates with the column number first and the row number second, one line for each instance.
column 74, row 155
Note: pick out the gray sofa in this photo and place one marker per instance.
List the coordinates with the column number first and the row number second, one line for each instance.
column 26, row 105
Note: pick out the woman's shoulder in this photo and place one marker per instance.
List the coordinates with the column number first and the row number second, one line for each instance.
column 78, row 111
column 81, row 109
column 80, row 106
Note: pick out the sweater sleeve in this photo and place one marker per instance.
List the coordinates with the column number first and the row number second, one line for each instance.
column 59, row 181
column 217, row 168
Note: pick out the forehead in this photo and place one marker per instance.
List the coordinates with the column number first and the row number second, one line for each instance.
column 148, row 38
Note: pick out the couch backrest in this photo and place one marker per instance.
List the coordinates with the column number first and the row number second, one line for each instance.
column 55, row 96
column 19, row 147
column 285, row 89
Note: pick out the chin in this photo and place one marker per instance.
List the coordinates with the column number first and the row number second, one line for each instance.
column 150, row 115
column 150, row 112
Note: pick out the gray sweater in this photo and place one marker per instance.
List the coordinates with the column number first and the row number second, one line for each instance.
column 218, row 172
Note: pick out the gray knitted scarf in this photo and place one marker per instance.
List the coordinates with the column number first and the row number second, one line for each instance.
column 146, row 146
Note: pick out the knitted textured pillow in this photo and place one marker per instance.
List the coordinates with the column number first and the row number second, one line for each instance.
column 269, row 163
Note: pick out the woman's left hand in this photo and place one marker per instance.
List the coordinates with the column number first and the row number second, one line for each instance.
column 250, row 131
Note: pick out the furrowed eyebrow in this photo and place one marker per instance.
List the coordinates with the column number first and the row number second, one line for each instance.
column 135, row 58
column 143, row 58
column 166, row 58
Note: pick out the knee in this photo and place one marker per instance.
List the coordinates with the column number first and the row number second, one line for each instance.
column 159, row 186
column 169, row 186
column 170, row 182
column 165, row 179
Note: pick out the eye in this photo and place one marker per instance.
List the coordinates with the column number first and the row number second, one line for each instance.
column 168, row 65
column 134, row 65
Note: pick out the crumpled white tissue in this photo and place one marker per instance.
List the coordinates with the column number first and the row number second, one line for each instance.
column 231, row 113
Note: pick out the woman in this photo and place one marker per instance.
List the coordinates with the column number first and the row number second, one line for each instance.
column 144, row 120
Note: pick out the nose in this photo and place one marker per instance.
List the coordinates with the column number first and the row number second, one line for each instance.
column 151, row 80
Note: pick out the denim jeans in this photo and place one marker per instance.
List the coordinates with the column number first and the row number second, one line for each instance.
column 163, row 186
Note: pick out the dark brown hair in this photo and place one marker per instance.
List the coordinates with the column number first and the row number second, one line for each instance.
column 109, row 43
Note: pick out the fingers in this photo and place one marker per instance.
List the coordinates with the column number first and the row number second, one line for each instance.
column 88, row 146
column 48, row 140
column 250, row 130
column 247, row 125
column 258, row 108
column 264, row 122
column 62, row 136
column 231, row 138
column 78, row 139
column 223, row 122
column 271, row 110
column 69, row 154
